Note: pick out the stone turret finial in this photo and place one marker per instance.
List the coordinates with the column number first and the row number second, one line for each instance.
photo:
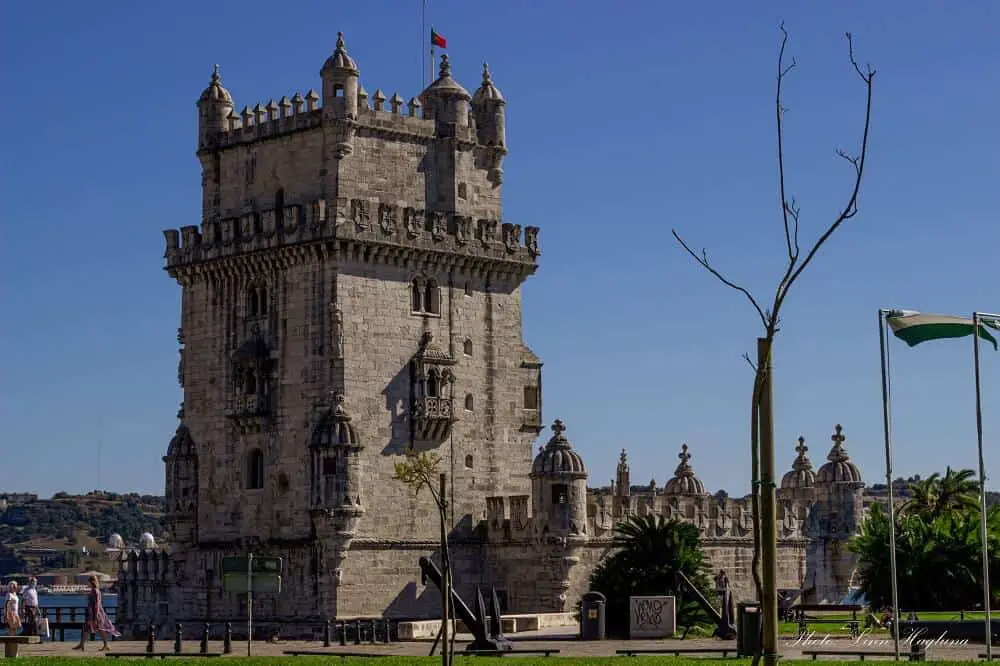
column 837, row 452
column 801, row 474
column 839, row 469
column 215, row 74
column 486, row 73
column 339, row 411
column 802, row 462
column 340, row 41
column 623, row 458
column 558, row 427
column 684, row 481
column 445, row 70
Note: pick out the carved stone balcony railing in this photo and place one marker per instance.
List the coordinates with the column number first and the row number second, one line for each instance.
column 432, row 419
column 250, row 411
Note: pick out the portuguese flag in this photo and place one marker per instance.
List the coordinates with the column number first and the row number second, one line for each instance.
column 916, row 327
column 438, row 41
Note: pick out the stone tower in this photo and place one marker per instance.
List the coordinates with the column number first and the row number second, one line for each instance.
column 834, row 519
column 351, row 293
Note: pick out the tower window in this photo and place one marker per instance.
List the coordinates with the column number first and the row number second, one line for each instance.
column 468, row 461
column 468, row 288
column 279, row 207
column 467, row 347
column 560, row 493
column 470, row 402
column 425, row 296
column 531, row 397
column 257, row 300
column 255, row 470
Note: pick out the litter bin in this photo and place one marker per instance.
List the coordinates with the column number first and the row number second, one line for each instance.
column 748, row 626
column 592, row 608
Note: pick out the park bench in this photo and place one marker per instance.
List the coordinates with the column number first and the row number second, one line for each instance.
column 502, row 653
column 634, row 652
column 12, row 644
column 799, row 613
column 913, row 655
column 327, row 653
column 160, row 655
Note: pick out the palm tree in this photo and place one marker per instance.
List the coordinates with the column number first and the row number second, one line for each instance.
column 650, row 552
column 937, row 495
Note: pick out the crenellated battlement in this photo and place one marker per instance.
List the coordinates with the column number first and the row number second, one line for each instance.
column 377, row 114
column 364, row 221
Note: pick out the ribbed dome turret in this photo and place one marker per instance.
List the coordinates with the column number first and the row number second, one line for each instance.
column 335, row 429
column 340, row 61
column 445, row 86
column 839, row 469
column 801, row 474
column 684, row 481
column 215, row 92
column 558, row 457
column 181, row 444
column 487, row 92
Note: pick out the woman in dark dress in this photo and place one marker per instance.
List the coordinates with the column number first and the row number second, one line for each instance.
column 97, row 621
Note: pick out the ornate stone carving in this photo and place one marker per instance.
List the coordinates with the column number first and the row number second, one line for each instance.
column 439, row 226
column 414, row 222
column 432, row 385
column 337, row 326
column 489, row 230
column 387, row 218
column 531, row 240
column 359, row 211
column 512, row 236
column 463, row 229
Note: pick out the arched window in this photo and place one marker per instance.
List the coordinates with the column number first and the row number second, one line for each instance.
column 470, row 402
column 279, row 207
column 433, row 384
column 253, row 306
column 468, row 461
column 417, row 296
column 255, row 469
column 250, row 383
column 262, row 299
column 432, row 298
column 467, row 347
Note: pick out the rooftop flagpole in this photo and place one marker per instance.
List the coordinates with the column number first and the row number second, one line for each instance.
column 976, row 319
column 887, row 432
column 423, row 36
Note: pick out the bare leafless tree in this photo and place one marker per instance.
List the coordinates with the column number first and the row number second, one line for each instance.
column 796, row 264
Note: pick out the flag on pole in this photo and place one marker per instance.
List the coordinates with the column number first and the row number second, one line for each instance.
column 916, row 327
column 438, row 41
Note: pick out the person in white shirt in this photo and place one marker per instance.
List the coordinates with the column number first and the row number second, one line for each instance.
column 32, row 614
column 11, row 610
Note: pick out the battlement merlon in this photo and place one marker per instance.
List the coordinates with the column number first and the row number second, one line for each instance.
column 444, row 110
column 389, row 230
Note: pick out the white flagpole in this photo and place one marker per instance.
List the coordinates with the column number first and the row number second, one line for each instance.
column 982, row 481
column 887, row 432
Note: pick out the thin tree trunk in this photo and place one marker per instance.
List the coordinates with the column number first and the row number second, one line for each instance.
column 446, row 645
column 755, row 501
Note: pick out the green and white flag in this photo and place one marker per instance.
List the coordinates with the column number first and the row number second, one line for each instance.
column 916, row 327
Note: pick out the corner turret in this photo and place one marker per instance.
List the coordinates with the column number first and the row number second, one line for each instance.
column 214, row 107
column 800, row 481
column 684, row 481
column 559, row 486
column 340, row 83
column 488, row 109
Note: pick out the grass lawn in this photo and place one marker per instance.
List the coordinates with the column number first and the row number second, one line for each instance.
column 433, row 661
column 839, row 619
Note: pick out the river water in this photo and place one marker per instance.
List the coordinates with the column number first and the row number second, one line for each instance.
column 79, row 601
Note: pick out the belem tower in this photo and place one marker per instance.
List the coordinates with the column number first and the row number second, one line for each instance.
column 351, row 293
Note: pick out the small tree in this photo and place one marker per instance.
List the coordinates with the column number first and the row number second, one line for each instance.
column 651, row 550
column 419, row 471
column 762, row 416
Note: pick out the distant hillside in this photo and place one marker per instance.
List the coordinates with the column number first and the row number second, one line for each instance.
column 60, row 532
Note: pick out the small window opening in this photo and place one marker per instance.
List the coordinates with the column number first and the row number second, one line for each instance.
column 255, row 470
column 279, row 207
column 531, row 397
column 468, row 462
column 559, row 493
column 470, row 402
column 250, row 383
column 467, row 347
column 417, row 299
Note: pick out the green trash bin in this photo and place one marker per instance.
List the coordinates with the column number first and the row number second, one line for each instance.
column 748, row 625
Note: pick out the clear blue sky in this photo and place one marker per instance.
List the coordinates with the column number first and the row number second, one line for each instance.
column 624, row 120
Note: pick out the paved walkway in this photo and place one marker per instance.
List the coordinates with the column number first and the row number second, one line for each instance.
column 790, row 649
